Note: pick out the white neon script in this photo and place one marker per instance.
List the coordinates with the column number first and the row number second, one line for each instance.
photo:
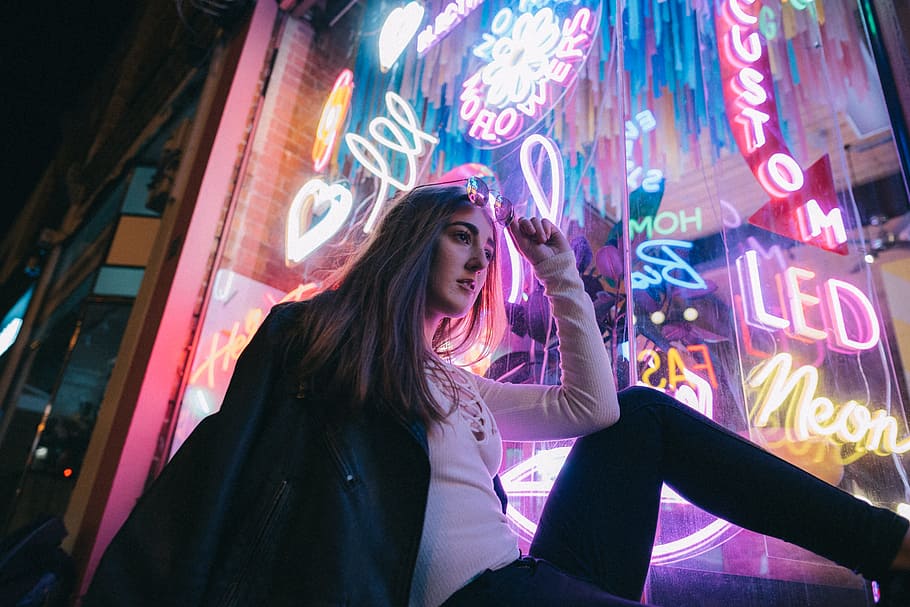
column 333, row 113
column 524, row 54
column 796, row 306
column 793, row 392
column 663, row 263
column 316, row 198
column 391, row 134
column 453, row 14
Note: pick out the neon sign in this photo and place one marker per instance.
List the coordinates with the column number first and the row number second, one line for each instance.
column 404, row 119
column 445, row 22
column 635, row 174
column 803, row 206
column 842, row 302
column 397, row 31
column 332, row 202
column 333, row 113
column 676, row 367
column 666, row 222
column 781, row 388
column 221, row 354
column 670, row 266
column 530, row 61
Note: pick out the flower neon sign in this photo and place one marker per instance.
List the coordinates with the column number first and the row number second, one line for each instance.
column 530, row 59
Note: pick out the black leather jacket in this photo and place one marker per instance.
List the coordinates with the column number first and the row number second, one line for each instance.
column 273, row 502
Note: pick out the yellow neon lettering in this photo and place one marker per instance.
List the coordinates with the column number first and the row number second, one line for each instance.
column 781, row 389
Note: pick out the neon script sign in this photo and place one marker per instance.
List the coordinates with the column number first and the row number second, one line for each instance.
column 401, row 134
column 803, row 206
column 530, row 61
column 663, row 263
column 792, row 393
column 800, row 310
column 333, row 114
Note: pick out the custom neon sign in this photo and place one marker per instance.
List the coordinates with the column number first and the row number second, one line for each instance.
column 531, row 58
column 663, row 263
column 792, row 393
column 799, row 311
column 803, row 206
column 453, row 14
column 332, row 119
column 393, row 134
column 332, row 202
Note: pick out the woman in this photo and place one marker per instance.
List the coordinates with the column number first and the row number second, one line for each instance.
column 353, row 463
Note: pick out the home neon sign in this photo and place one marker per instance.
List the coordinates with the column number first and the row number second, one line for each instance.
column 803, row 205
column 531, row 58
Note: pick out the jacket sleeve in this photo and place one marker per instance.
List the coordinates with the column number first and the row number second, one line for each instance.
column 163, row 553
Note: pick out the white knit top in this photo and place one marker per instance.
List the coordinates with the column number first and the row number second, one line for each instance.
column 465, row 531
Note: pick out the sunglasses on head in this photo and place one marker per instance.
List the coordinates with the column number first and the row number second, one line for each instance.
column 480, row 195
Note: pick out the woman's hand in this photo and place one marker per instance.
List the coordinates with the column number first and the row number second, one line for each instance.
column 537, row 239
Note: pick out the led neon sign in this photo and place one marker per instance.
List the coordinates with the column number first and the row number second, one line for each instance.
column 332, row 202
column 663, row 263
column 332, row 118
column 530, row 61
column 803, row 206
column 453, row 14
column 391, row 134
column 840, row 300
column 792, row 392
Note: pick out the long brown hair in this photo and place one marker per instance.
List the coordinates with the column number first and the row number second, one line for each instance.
column 364, row 340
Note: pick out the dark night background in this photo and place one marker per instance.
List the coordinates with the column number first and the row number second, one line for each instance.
column 49, row 52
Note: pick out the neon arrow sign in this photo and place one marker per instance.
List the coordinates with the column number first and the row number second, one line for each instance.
column 803, row 205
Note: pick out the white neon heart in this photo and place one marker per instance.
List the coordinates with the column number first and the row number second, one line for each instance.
column 315, row 198
column 397, row 31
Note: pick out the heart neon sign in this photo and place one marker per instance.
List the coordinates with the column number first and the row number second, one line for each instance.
column 333, row 202
column 397, row 31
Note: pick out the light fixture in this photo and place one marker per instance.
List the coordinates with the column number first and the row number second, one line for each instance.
column 399, row 29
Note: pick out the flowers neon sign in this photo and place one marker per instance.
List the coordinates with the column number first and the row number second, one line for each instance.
column 531, row 58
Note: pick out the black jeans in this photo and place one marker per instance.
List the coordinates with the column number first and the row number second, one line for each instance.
column 598, row 525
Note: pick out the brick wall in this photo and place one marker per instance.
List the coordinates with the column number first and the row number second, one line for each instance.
column 306, row 66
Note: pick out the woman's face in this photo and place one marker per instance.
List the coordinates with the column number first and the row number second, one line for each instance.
column 463, row 253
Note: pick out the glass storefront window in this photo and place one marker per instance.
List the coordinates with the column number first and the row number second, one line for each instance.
column 722, row 170
column 68, row 377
